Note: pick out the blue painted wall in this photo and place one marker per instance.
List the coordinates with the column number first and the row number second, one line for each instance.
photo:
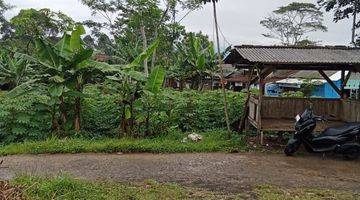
column 272, row 90
column 326, row 91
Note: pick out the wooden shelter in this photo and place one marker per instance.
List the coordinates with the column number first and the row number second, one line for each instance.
column 277, row 113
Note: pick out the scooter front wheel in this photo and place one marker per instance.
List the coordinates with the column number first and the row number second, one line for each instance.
column 291, row 148
column 289, row 151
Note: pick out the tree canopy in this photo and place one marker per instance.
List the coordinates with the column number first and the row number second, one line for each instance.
column 292, row 23
column 343, row 9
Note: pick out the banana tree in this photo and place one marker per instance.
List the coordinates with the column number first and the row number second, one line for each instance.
column 130, row 82
column 65, row 67
column 150, row 92
column 194, row 60
column 212, row 67
column 13, row 70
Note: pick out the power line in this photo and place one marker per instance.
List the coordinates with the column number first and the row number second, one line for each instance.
column 222, row 34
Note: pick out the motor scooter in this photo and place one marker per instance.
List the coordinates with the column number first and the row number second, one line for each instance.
column 343, row 139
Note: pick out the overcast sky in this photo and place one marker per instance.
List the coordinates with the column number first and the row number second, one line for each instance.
column 239, row 21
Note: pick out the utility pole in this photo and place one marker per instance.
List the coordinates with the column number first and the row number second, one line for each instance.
column 221, row 70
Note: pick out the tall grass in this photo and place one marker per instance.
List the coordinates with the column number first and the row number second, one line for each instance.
column 214, row 141
column 64, row 187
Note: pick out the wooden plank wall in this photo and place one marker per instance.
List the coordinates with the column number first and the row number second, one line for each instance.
column 351, row 111
column 288, row 108
column 253, row 102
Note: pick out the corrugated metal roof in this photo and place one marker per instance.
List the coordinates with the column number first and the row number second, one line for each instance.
column 299, row 55
column 312, row 74
column 300, row 74
column 354, row 82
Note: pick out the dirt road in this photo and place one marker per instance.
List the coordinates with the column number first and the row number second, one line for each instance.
column 218, row 171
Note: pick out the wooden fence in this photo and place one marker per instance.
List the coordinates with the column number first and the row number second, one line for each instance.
column 350, row 111
column 285, row 108
column 288, row 108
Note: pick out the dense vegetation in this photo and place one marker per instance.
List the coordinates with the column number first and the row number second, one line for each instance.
column 25, row 118
column 56, row 80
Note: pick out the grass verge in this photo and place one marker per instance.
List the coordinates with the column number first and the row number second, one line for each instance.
column 274, row 193
column 214, row 141
column 66, row 188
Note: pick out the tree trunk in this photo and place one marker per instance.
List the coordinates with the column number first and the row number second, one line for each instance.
column 147, row 124
column 153, row 59
column 63, row 114
column 353, row 35
column 77, row 114
column 156, row 34
column 212, row 81
column 132, row 110
column 54, row 121
column 144, row 40
column 221, row 71
column 123, row 124
column 201, row 83
column 77, row 111
column 182, row 85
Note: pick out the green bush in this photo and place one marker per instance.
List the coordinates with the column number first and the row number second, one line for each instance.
column 28, row 117
column 24, row 118
column 100, row 113
column 193, row 110
column 188, row 110
column 293, row 94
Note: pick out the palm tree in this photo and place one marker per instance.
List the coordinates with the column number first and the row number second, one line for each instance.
column 220, row 64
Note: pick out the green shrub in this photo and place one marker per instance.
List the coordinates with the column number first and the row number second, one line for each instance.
column 28, row 117
column 293, row 94
column 100, row 113
column 24, row 118
column 187, row 110
column 193, row 110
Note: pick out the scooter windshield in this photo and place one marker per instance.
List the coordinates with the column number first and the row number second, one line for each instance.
column 307, row 114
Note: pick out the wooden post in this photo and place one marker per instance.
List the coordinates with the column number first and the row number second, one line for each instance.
column 261, row 94
column 344, row 82
column 348, row 76
column 342, row 88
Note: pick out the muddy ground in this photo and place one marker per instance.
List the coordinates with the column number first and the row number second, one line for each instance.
column 213, row 171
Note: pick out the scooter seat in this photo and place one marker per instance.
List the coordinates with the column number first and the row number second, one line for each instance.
column 338, row 130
